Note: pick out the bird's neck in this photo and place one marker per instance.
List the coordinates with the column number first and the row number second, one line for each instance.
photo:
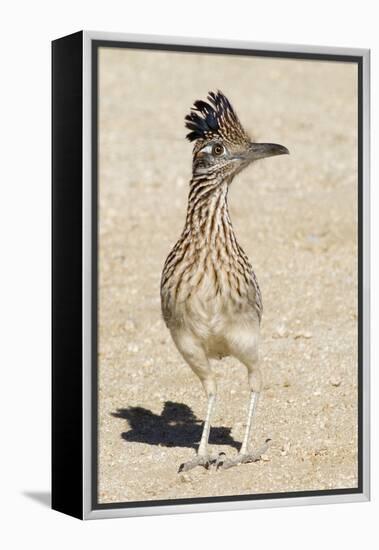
column 207, row 212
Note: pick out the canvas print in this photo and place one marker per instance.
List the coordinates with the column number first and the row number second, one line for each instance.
column 227, row 275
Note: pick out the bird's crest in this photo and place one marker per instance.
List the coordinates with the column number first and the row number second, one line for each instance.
column 215, row 119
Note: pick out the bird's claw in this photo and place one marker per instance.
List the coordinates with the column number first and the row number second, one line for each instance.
column 220, row 460
column 245, row 458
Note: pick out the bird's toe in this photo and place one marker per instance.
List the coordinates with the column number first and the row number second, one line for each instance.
column 242, row 458
column 200, row 460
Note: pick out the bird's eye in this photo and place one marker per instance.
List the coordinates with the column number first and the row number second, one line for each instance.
column 218, row 149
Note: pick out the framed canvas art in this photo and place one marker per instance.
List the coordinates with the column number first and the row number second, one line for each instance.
column 210, row 275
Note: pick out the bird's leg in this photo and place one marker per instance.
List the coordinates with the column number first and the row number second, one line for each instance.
column 203, row 447
column 254, row 396
column 244, row 456
column 203, row 458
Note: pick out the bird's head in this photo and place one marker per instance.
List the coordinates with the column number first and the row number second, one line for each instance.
column 222, row 146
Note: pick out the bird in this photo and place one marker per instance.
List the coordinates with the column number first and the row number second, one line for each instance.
column 210, row 298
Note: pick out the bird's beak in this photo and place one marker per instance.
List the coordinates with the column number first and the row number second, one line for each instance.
column 262, row 150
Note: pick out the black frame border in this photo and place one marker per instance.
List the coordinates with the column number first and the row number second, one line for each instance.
column 67, row 264
column 341, row 58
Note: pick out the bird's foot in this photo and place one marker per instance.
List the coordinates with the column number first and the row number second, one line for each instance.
column 200, row 460
column 242, row 458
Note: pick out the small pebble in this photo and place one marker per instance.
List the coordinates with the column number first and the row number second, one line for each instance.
column 280, row 332
column 133, row 348
column 285, row 449
column 129, row 325
column 184, row 478
column 303, row 334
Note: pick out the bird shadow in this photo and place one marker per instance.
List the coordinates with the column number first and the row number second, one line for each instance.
column 176, row 426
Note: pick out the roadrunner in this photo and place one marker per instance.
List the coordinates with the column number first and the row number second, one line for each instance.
column 211, row 301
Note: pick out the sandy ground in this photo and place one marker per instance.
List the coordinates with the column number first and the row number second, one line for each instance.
column 296, row 219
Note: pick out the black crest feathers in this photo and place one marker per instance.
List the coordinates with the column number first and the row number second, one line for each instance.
column 215, row 118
